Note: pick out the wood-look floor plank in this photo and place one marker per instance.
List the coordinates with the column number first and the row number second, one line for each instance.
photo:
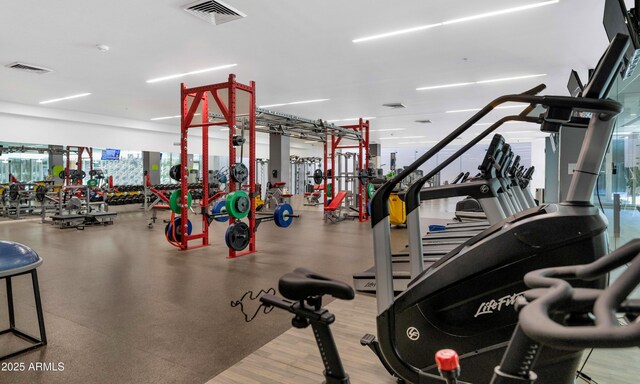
column 293, row 357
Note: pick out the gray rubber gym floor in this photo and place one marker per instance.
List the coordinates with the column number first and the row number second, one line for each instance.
column 123, row 306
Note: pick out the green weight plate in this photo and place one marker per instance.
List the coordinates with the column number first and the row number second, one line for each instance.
column 371, row 189
column 238, row 204
column 57, row 169
column 92, row 183
column 175, row 201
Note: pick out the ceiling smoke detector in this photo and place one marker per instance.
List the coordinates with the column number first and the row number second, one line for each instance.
column 214, row 12
column 426, row 121
column 28, row 68
column 394, row 105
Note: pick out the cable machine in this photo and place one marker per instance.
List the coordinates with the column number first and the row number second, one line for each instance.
column 360, row 159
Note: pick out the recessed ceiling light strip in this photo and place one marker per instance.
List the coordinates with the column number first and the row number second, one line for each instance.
column 292, row 103
column 169, row 117
column 65, row 98
column 480, row 82
column 455, row 21
column 157, row 79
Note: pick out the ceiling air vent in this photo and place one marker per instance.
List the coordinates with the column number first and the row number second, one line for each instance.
column 423, row 121
column 28, row 68
column 394, row 105
column 214, row 12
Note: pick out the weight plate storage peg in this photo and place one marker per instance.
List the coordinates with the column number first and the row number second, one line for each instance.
column 220, row 208
column 174, row 172
column 239, row 173
column 282, row 215
column 176, row 236
column 237, row 236
column 175, row 202
column 238, row 204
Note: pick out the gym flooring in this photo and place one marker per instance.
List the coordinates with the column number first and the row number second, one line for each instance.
column 123, row 306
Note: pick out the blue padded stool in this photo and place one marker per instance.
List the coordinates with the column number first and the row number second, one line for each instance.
column 16, row 260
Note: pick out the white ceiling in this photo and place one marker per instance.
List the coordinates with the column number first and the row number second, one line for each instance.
column 296, row 50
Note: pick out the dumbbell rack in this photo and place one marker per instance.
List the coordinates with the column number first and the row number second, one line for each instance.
column 191, row 100
column 19, row 202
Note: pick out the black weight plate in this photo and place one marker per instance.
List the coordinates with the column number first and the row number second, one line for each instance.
column 237, row 141
column 174, row 172
column 13, row 192
column 318, row 177
column 363, row 177
column 41, row 192
column 239, row 173
column 237, row 236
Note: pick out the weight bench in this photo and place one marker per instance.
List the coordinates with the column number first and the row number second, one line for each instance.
column 16, row 260
column 68, row 221
column 313, row 198
column 104, row 218
column 332, row 211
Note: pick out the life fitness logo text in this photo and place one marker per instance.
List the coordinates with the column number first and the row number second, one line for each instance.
column 497, row 305
column 413, row 333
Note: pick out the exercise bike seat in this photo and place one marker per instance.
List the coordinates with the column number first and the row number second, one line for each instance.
column 302, row 283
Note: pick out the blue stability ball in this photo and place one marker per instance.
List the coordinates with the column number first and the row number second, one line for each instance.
column 282, row 215
column 16, row 257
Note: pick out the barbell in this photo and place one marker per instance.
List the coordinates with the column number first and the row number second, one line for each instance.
column 238, row 234
column 363, row 176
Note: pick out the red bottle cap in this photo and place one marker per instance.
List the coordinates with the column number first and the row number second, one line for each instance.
column 447, row 360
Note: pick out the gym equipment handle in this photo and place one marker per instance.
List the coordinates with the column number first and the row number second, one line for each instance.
column 535, row 317
column 608, row 108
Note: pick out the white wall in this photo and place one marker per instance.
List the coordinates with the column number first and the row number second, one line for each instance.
column 37, row 125
column 538, row 161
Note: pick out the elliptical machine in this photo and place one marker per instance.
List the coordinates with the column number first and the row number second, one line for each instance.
column 464, row 301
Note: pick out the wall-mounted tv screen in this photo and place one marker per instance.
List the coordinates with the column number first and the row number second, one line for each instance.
column 110, row 154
